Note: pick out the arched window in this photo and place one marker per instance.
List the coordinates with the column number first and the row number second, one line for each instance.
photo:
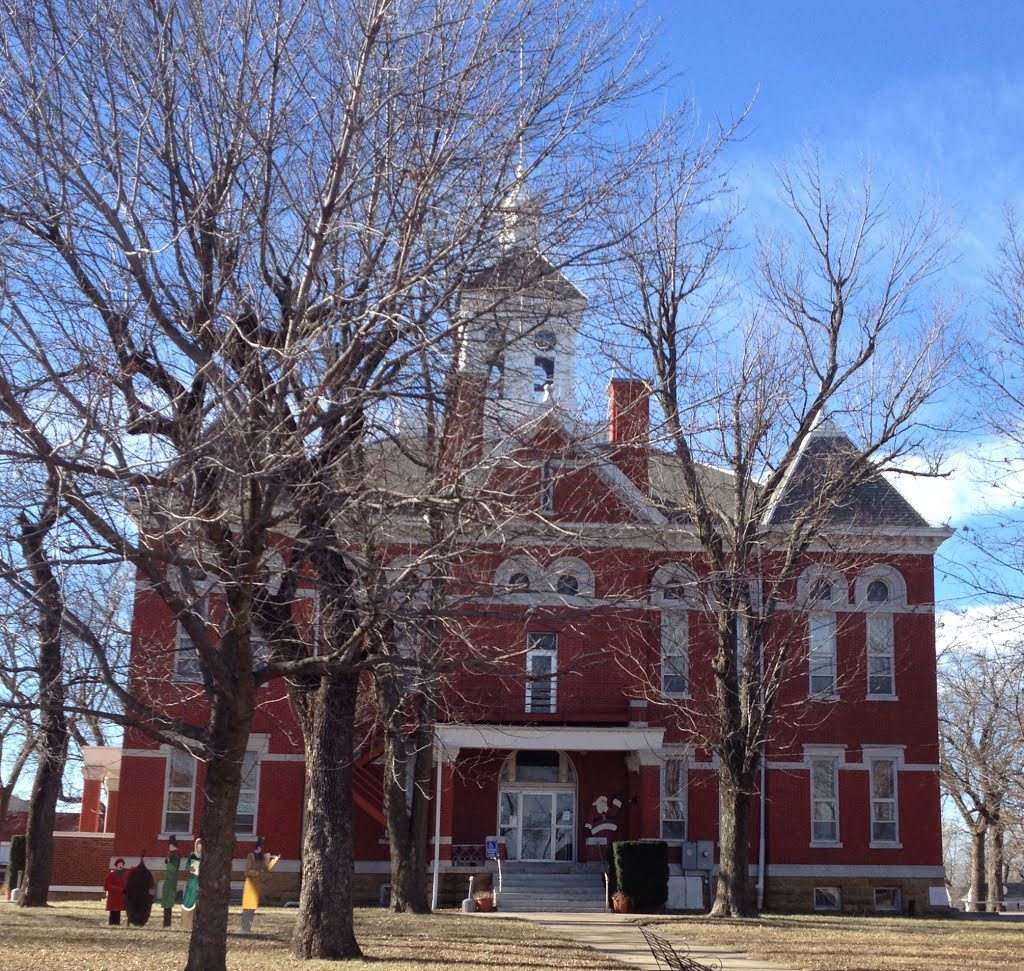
column 567, row 585
column 674, row 585
column 569, row 576
column 517, row 576
column 880, row 590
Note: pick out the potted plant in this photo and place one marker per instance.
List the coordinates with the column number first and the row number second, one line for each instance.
column 621, row 904
column 484, row 902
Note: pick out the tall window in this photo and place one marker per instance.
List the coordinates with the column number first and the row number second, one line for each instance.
column 822, row 654
column 245, row 814
column 186, row 658
column 824, row 800
column 541, row 665
column 547, row 487
column 675, row 652
column 883, row 801
column 673, row 799
column 180, row 790
column 881, row 645
column 543, row 376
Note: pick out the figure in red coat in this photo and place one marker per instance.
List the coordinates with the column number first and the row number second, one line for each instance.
column 114, row 887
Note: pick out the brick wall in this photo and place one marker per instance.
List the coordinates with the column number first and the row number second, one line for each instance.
column 81, row 862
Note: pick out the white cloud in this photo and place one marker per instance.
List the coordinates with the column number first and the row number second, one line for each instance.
column 986, row 477
column 979, row 627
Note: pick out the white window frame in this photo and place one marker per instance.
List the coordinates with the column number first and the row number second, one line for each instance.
column 832, row 799
column 677, row 798
column 547, row 486
column 831, row 899
column 675, row 651
column 877, row 802
column 532, row 652
column 881, row 651
column 184, row 646
column 172, row 753
column 821, row 655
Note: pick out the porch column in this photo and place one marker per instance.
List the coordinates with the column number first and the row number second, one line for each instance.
column 92, row 788
column 444, row 815
column 113, row 784
column 648, row 825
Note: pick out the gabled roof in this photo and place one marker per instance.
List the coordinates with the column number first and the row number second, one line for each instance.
column 827, row 455
column 521, row 271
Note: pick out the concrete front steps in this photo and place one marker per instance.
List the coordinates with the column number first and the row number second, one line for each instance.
column 538, row 892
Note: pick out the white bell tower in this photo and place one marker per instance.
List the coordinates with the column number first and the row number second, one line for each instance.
column 521, row 320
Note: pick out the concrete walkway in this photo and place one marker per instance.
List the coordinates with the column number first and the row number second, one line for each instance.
column 618, row 936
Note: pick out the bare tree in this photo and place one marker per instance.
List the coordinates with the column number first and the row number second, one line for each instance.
column 982, row 766
column 228, row 228
column 785, row 387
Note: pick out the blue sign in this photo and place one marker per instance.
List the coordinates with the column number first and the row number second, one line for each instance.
column 491, row 849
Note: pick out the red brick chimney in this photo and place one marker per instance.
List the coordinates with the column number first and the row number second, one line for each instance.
column 629, row 427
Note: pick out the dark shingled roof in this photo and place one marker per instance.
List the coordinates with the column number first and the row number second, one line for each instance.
column 827, row 456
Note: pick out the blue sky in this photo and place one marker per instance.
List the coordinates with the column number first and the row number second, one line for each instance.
column 931, row 93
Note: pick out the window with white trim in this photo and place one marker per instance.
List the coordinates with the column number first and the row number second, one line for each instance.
column 541, row 666
column 824, row 800
column 673, row 799
column 821, row 653
column 186, row 658
column 245, row 814
column 880, row 641
column 179, row 792
column 675, row 653
column 884, row 805
column 547, row 487
column 827, row 898
column 881, row 656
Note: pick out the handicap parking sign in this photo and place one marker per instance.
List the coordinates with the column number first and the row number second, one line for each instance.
column 491, row 849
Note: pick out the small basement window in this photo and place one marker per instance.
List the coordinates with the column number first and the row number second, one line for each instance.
column 827, row 898
column 888, row 899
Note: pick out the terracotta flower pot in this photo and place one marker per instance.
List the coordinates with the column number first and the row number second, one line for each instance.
column 484, row 904
column 621, row 904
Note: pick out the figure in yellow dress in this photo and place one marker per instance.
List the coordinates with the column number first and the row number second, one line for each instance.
column 257, row 865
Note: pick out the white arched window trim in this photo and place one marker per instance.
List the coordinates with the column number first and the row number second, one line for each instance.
column 670, row 575
column 574, row 567
column 891, row 577
column 519, row 564
column 809, row 580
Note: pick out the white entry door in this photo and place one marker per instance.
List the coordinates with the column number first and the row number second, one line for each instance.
column 538, row 826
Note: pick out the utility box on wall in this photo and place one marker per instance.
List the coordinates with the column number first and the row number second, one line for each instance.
column 705, row 854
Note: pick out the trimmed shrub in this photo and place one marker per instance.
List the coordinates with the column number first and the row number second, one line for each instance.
column 16, row 866
column 641, row 873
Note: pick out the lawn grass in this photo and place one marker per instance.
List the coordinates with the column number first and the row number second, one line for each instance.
column 847, row 943
column 75, row 937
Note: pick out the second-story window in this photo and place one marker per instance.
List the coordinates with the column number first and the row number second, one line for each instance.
column 675, row 653
column 179, row 791
column 821, row 635
column 186, row 658
column 541, row 668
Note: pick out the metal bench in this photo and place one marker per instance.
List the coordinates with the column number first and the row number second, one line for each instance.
column 671, row 958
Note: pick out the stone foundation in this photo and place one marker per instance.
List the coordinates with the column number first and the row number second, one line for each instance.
column 857, row 894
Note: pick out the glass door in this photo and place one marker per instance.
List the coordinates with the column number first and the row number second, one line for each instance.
column 538, row 826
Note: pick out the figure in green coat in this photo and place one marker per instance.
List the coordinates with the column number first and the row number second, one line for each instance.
column 169, row 890
column 188, row 899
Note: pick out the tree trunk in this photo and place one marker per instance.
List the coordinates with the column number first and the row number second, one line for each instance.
column 733, row 890
column 326, row 712
column 407, row 773
column 977, row 895
column 53, row 732
column 230, row 724
column 994, row 868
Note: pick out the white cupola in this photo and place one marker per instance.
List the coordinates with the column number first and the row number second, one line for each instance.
column 521, row 319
